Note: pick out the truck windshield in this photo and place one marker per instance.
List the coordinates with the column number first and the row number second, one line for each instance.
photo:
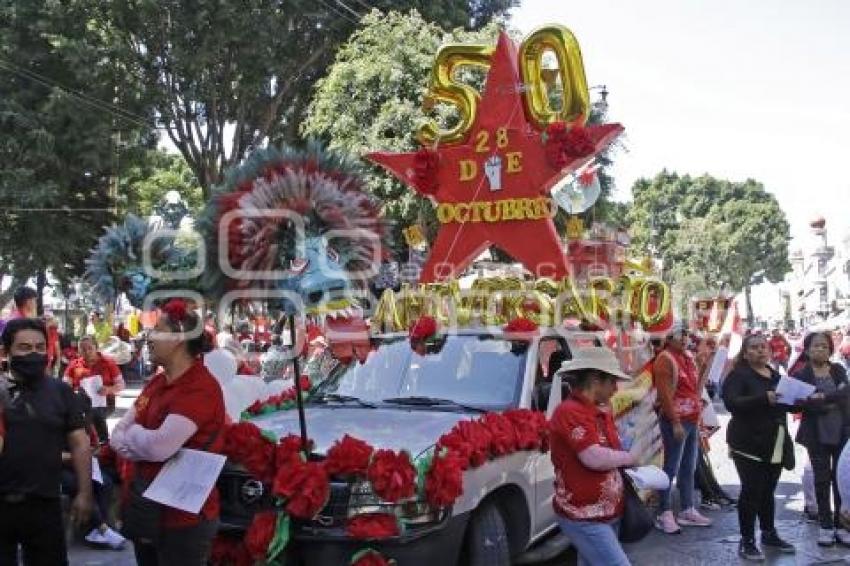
column 479, row 370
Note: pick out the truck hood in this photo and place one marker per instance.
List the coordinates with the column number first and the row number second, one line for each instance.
column 390, row 428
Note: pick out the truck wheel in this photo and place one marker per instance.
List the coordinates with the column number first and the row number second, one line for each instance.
column 487, row 538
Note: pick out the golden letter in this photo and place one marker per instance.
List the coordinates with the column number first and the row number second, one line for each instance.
column 468, row 169
column 514, row 161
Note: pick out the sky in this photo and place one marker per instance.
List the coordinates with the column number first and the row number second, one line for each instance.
column 734, row 88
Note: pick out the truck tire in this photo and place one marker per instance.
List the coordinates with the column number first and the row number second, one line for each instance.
column 487, row 538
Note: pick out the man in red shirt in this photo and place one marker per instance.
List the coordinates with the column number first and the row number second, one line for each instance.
column 780, row 350
column 92, row 363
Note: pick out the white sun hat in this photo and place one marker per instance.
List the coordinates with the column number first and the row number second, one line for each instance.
column 597, row 358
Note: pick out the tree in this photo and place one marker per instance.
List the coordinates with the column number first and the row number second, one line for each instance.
column 705, row 229
column 144, row 183
column 224, row 77
column 62, row 107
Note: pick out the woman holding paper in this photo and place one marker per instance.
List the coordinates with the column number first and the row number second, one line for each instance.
column 823, row 429
column 181, row 407
column 587, row 456
column 759, row 443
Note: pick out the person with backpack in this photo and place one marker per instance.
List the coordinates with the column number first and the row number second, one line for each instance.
column 824, row 430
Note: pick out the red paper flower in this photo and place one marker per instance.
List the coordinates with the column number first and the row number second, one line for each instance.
column 304, row 486
column 503, row 437
column 479, row 438
column 370, row 557
column 425, row 327
column 520, row 328
column 372, row 526
column 577, row 143
column 288, row 449
column 305, row 383
column 444, row 480
column 425, row 166
column 245, row 445
column 527, row 427
column 392, row 475
column 554, row 147
column 176, row 309
column 348, row 456
column 313, row 493
column 255, row 408
column 260, row 534
column 454, row 442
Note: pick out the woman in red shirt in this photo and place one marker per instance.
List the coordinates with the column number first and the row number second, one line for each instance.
column 181, row 407
column 586, row 453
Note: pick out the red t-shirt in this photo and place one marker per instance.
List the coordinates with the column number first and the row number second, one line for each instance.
column 105, row 367
column 582, row 494
column 197, row 396
column 779, row 350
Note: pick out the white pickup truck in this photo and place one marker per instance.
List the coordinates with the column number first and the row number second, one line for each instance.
column 399, row 399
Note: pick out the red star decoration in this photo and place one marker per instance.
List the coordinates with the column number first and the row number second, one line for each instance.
column 535, row 243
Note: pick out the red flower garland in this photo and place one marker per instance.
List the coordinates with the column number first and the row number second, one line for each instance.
column 503, row 435
column 520, row 328
column 260, row 534
column 305, row 487
column 372, row 526
column 392, row 475
column 348, row 456
column 425, row 166
column 444, row 481
column 230, row 551
column 244, row 443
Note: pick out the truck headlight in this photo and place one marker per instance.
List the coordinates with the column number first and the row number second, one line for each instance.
column 413, row 513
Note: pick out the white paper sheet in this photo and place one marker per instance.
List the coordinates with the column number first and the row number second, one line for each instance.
column 649, row 477
column 718, row 363
column 96, row 474
column 185, row 481
column 790, row 390
column 91, row 385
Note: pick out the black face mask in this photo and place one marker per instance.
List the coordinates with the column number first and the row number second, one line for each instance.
column 28, row 368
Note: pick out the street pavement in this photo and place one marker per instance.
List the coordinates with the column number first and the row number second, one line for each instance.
column 694, row 547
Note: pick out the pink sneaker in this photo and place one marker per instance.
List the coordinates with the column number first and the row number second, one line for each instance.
column 666, row 523
column 692, row 518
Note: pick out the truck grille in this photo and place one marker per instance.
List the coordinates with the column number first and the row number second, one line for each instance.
column 335, row 512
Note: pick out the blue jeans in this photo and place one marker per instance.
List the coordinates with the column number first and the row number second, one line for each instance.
column 680, row 462
column 596, row 542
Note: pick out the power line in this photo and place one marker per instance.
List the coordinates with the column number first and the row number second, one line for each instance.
column 365, row 5
column 82, row 97
column 347, row 7
column 336, row 11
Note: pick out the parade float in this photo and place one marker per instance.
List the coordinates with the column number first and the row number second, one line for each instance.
column 429, row 442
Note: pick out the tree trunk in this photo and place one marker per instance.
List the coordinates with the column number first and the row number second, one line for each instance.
column 40, row 284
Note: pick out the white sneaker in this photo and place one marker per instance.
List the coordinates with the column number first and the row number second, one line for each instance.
column 826, row 537
column 113, row 539
column 96, row 537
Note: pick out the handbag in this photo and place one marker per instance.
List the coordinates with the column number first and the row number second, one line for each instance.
column 142, row 517
column 637, row 520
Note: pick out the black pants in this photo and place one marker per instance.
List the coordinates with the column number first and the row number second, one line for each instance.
column 824, row 461
column 189, row 546
column 758, row 484
column 98, row 418
column 34, row 524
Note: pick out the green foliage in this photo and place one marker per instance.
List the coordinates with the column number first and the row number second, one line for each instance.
column 143, row 183
column 710, row 231
column 57, row 136
column 249, row 65
column 371, row 101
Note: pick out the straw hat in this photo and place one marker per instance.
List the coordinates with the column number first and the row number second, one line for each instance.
column 601, row 359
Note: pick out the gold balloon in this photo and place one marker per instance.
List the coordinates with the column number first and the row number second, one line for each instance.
column 576, row 96
column 444, row 88
column 601, row 292
column 662, row 293
column 385, row 317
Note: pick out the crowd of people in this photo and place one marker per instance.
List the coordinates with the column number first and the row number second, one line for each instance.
column 590, row 488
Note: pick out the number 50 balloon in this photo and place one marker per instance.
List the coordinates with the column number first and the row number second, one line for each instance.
column 444, row 87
